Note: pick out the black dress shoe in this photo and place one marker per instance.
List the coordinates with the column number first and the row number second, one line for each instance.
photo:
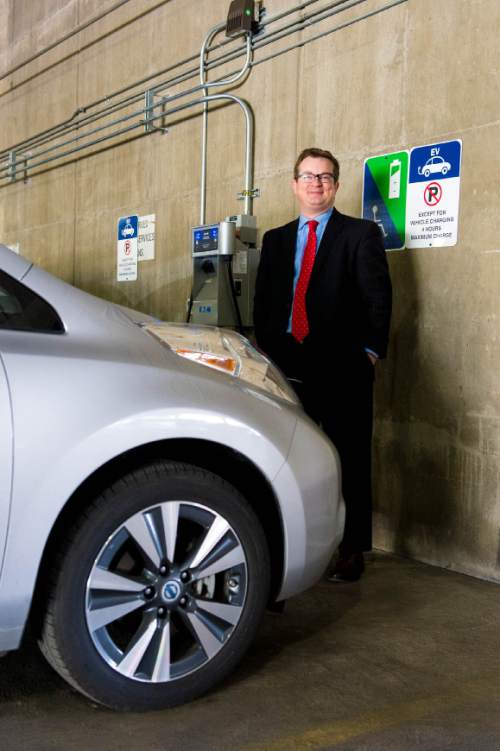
column 347, row 568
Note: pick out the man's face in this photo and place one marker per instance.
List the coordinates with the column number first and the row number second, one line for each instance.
column 315, row 196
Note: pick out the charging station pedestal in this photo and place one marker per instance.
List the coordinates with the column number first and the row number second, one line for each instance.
column 225, row 262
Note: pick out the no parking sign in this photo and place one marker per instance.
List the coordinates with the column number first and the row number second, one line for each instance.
column 433, row 195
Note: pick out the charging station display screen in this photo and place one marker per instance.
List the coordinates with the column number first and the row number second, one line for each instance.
column 206, row 239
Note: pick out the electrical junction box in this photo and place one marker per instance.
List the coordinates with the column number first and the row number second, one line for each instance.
column 245, row 227
column 241, row 18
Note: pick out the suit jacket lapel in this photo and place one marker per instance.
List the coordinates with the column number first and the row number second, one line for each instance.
column 287, row 269
column 328, row 242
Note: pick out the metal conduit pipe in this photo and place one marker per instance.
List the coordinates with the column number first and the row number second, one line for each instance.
column 165, row 100
column 323, row 34
column 313, row 18
column 71, row 124
column 230, row 81
column 68, row 126
column 192, row 58
column 296, row 9
column 204, row 129
column 22, row 166
column 47, row 136
column 25, row 143
column 264, row 41
column 249, row 119
column 117, row 121
column 182, row 107
column 7, row 168
column 249, row 129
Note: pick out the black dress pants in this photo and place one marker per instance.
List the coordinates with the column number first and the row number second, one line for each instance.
column 338, row 395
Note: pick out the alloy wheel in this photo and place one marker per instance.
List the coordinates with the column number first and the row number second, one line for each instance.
column 166, row 591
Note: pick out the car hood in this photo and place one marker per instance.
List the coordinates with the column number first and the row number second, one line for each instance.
column 100, row 330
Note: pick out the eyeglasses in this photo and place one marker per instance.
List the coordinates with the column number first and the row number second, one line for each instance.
column 323, row 177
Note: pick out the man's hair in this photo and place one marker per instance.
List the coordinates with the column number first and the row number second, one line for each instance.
column 318, row 154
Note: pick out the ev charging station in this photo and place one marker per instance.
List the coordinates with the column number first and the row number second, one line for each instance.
column 225, row 261
column 225, row 256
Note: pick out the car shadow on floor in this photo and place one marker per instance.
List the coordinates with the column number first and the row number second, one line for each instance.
column 310, row 615
column 25, row 675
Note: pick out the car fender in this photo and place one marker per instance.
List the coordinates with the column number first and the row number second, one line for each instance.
column 29, row 529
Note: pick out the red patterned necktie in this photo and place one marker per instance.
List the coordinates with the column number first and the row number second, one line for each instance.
column 300, row 324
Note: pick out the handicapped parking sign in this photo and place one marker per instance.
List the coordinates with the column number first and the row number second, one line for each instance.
column 433, row 195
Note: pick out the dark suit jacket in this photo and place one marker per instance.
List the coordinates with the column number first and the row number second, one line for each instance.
column 349, row 295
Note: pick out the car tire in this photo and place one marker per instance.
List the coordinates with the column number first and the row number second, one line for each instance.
column 427, row 173
column 444, row 170
column 159, row 589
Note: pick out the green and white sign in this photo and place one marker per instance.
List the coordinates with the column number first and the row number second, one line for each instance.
column 384, row 196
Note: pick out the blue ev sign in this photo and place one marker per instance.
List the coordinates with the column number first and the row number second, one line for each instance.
column 433, row 195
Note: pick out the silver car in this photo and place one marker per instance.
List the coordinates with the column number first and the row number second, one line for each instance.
column 159, row 487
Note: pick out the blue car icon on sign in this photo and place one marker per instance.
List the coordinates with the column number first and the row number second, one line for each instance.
column 433, row 165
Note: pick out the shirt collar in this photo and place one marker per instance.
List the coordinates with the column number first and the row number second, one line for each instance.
column 324, row 217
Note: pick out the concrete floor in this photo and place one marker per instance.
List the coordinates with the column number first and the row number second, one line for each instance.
column 406, row 659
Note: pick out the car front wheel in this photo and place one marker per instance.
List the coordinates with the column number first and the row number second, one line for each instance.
column 159, row 589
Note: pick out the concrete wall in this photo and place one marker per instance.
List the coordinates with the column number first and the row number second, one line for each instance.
column 418, row 73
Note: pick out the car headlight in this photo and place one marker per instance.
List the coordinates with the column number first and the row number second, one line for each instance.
column 223, row 350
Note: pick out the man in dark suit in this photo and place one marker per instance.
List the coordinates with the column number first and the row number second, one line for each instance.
column 322, row 311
